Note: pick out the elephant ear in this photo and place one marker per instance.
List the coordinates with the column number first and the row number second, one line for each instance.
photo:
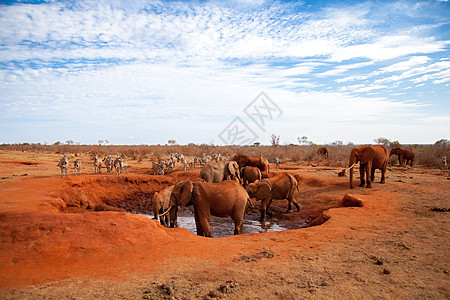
column 367, row 154
column 259, row 174
column 263, row 191
column 233, row 168
column 241, row 159
column 186, row 192
column 155, row 196
column 355, row 155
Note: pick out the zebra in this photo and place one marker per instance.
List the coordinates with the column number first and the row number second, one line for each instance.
column 118, row 165
column 274, row 160
column 77, row 166
column 217, row 157
column 109, row 164
column 206, row 158
column 63, row 164
column 443, row 164
column 157, row 169
column 97, row 165
column 173, row 158
column 168, row 164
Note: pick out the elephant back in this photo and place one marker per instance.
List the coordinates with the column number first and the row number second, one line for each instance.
column 213, row 171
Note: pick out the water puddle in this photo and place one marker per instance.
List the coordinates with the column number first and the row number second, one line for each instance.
column 222, row 227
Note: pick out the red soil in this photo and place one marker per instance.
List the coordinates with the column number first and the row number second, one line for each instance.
column 395, row 245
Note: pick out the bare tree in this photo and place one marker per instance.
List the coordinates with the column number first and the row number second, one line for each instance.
column 275, row 140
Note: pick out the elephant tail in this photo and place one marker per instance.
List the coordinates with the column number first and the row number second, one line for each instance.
column 297, row 177
column 250, row 202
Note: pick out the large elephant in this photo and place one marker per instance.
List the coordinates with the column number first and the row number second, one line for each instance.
column 217, row 171
column 161, row 204
column 323, row 151
column 223, row 199
column 250, row 174
column 278, row 187
column 370, row 159
column 253, row 161
column 403, row 154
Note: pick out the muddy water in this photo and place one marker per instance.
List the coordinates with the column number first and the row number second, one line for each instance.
column 222, row 227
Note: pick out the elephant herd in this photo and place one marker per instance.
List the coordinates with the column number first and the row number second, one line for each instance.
column 224, row 190
column 225, row 187
column 375, row 157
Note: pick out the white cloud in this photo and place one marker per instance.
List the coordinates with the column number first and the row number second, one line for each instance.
column 136, row 67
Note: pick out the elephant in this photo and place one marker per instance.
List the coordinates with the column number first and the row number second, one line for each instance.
column 250, row 174
column 217, row 171
column 278, row 187
column 222, row 199
column 403, row 154
column 323, row 151
column 253, row 161
column 160, row 203
column 370, row 158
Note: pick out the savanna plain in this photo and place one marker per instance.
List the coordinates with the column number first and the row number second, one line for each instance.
column 84, row 237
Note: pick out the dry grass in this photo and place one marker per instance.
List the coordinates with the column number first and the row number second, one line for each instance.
column 426, row 155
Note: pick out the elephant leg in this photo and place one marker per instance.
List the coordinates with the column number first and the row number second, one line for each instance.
column 372, row 175
column 297, row 205
column 361, row 175
column 197, row 224
column 202, row 223
column 368, row 174
column 383, row 174
column 289, row 210
column 237, row 219
column 265, row 203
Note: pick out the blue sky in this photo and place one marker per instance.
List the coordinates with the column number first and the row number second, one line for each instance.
column 145, row 72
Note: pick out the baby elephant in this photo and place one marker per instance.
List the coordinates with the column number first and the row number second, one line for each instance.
column 250, row 174
column 161, row 204
column 278, row 187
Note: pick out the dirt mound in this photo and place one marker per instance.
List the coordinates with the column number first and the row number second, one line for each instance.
column 73, row 243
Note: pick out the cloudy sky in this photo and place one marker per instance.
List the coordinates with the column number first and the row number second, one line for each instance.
column 145, row 72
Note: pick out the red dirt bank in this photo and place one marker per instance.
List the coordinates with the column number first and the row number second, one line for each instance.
column 394, row 246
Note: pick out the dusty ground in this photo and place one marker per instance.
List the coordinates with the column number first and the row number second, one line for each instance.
column 54, row 244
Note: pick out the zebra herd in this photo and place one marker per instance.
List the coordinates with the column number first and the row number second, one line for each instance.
column 167, row 166
column 120, row 166
column 188, row 163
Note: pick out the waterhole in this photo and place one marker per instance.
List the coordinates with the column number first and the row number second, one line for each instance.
column 222, row 227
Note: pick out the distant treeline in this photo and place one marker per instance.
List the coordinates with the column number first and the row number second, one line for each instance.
column 426, row 155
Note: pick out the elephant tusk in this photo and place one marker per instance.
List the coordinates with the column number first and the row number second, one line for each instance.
column 351, row 167
column 166, row 212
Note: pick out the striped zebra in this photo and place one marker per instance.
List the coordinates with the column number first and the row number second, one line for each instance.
column 97, row 165
column 443, row 164
column 274, row 160
column 63, row 164
column 109, row 164
column 77, row 166
column 118, row 165
column 205, row 159
column 157, row 168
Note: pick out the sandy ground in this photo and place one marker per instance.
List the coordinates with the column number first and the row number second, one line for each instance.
column 57, row 241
